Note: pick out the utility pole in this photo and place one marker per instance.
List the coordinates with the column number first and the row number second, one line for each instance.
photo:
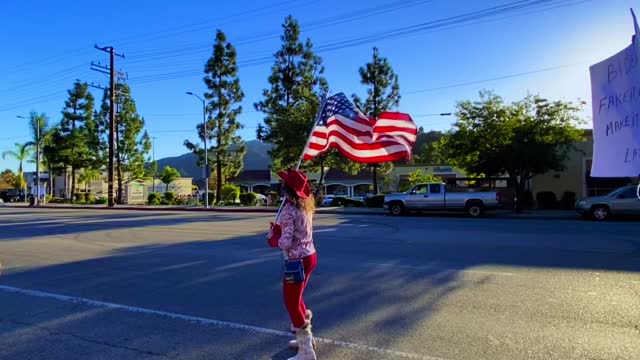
column 112, row 114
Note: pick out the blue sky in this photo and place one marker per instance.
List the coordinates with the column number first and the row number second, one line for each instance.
column 46, row 45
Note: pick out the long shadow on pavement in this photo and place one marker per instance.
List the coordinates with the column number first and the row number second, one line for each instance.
column 238, row 280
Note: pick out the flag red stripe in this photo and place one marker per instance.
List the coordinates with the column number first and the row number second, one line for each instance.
column 361, row 140
column 388, row 129
column 356, row 145
column 395, row 116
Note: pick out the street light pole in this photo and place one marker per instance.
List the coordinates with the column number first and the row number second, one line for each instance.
column 37, row 198
column 153, row 176
column 206, row 154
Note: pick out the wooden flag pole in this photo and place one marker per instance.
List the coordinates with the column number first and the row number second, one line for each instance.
column 315, row 122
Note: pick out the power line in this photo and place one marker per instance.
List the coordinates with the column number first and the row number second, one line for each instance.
column 163, row 53
column 207, row 24
column 496, row 78
column 404, row 31
column 269, row 59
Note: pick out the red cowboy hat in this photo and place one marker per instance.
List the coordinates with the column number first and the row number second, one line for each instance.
column 297, row 181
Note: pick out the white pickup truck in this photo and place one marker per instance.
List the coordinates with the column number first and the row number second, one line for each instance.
column 435, row 197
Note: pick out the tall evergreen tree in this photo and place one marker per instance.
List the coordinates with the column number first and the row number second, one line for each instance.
column 291, row 102
column 76, row 129
column 132, row 142
column 383, row 93
column 223, row 96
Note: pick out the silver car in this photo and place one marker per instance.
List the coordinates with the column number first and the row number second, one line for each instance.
column 620, row 202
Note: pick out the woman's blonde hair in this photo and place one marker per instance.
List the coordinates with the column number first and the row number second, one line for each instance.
column 308, row 205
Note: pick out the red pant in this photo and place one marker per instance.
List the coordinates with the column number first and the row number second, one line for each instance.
column 293, row 293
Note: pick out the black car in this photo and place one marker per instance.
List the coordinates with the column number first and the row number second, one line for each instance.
column 11, row 196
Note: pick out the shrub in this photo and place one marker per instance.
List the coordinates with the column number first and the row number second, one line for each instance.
column 154, row 199
column 170, row 196
column 546, row 200
column 230, row 193
column 90, row 199
column 101, row 200
column 48, row 198
column 249, row 199
column 180, row 200
column 568, row 200
column 376, row 201
column 164, row 202
column 77, row 197
column 526, row 200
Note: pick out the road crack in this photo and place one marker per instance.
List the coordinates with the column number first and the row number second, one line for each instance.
column 53, row 332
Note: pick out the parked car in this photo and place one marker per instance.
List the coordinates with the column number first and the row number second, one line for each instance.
column 326, row 201
column 620, row 202
column 8, row 196
column 435, row 197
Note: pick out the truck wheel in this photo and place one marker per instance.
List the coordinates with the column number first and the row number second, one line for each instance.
column 600, row 213
column 475, row 210
column 396, row 209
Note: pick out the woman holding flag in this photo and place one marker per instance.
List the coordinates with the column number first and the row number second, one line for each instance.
column 340, row 125
column 294, row 236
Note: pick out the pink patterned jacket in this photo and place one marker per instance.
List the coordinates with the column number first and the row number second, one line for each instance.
column 297, row 233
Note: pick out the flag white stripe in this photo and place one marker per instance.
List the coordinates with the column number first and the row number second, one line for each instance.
column 396, row 123
column 391, row 149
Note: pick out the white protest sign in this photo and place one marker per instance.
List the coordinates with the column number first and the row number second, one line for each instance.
column 615, row 92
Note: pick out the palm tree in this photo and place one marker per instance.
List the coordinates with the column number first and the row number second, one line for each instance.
column 21, row 154
column 87, row 176
column 39, row 125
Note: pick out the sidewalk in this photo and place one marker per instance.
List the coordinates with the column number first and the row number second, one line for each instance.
column 501, row 214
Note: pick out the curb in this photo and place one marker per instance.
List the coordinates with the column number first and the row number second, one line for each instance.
column 194, row 209
column 320, row 211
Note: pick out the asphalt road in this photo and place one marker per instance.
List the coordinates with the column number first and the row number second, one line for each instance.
column 98, row 284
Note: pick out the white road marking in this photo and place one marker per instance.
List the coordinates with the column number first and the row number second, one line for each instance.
column 210, row 322
column 324, row 230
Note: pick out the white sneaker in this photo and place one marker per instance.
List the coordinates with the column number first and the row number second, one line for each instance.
column 305, row 341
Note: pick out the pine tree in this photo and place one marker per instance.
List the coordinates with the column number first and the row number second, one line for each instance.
column 132, row 144
column 224, row 93
column 383, row 94
column 291, row 102
column 76, row 129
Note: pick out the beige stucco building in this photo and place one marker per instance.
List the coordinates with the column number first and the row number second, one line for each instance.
column 576, row 177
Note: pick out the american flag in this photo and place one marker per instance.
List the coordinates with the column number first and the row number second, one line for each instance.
column 343, row 126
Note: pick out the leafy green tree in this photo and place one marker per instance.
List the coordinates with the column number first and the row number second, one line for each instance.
column 7, row 179
column 424, row 148
column 53, row 155
column 519, row 140
column 168, row 176
column 420, row 177
column 87, row 176
column 223, row 96
column 77, row 130
column 383, row 94
column 21, row 154
column 291, row 102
